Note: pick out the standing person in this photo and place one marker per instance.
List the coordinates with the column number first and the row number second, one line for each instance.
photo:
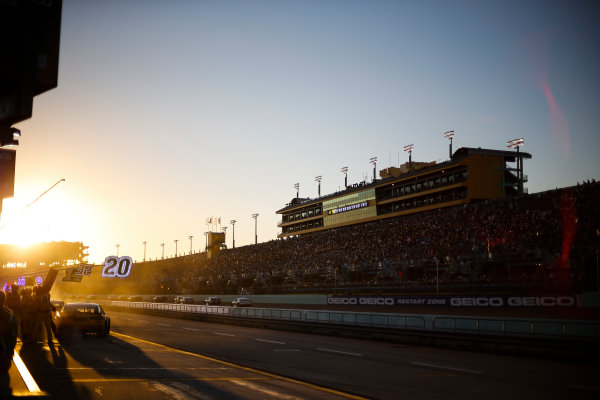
column 8, row 334
column 44, row 312
column 13, row 301
column 27, row 315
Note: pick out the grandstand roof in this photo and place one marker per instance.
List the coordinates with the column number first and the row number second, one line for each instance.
column 458, row 155
column 466, row 151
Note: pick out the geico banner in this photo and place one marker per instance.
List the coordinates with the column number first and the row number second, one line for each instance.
column 457, row 301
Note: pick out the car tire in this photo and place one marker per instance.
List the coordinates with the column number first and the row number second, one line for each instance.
column 107, row 329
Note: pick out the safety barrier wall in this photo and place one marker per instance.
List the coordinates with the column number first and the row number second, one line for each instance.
column 507, row 327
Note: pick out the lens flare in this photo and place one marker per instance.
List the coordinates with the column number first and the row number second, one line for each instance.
column 558, row 121
column 568, row 214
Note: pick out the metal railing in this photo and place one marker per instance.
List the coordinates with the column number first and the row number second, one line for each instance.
column 519, row 327
column 507, row 327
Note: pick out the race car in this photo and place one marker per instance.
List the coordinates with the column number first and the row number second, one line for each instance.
column 82, row 317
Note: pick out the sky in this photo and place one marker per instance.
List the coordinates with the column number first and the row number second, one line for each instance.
column 171, row 112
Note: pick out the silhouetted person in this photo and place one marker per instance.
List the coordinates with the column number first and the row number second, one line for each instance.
column 27, row 316
column 43, row 312
column 8, row 335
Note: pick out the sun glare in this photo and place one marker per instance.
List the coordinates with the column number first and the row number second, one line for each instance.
column 42, row 222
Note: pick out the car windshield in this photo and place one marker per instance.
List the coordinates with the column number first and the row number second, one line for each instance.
column 82, row 308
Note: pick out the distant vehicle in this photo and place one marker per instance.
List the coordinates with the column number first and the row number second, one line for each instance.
column 177, row 299
column 187, row 300
column 122, row 298
column 135, row 298
column 241, row 302
column 159, row 299
column 82, row 317
column 212, row 301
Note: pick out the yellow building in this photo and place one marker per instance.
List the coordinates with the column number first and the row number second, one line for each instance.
column 471, row 175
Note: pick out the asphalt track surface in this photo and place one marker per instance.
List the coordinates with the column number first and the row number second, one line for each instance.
column 149, row 357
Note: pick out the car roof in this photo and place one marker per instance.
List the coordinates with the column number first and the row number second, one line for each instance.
column 82, row 305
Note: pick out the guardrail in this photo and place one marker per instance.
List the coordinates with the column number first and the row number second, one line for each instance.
column 485, row 326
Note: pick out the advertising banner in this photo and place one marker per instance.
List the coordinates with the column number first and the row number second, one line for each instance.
column 456, row 301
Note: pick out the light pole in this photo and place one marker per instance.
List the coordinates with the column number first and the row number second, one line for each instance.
column 297, row 187
column 255, row 216
column 144, row 243
column 449, row 135
column 516, row 143
column 409, row 148
column 117, row 246
column 233, row 221
column 345, row 172
column 373, row 160
column 163, row 250
column 318, row 179
column 176, row 246
column 190, row 237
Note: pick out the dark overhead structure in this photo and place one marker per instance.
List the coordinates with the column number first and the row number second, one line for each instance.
column 30, row 42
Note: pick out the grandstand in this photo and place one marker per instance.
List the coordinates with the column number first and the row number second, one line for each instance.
column 542, row 243
column 471, row 175
column 463, row 226
column 27, row 264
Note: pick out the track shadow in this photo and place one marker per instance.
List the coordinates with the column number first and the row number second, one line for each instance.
column 94, row 367
column 49, row 363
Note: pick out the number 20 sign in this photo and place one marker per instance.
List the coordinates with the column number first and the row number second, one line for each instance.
column 119, row 267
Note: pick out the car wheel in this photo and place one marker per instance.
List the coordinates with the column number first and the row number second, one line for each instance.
column 106, row 330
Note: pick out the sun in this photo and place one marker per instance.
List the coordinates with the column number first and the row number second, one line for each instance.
column 41, row 222
column 19, row 227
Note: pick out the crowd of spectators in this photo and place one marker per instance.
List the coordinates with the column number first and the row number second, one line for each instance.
column 546, row 241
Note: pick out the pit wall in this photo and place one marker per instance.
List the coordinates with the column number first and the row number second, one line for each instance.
column 586, row 300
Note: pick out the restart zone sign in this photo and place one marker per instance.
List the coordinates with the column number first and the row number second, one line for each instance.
column 457, row 301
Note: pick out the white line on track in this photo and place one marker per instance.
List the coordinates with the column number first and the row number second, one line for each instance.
column 25, row 375
column 146, row 322
column 340, row 352
column 189, row 329
column 223, row 334
column 268, row 341
column 286, row 350
column 267, row 392
column 449, row 368
column 164, row 325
